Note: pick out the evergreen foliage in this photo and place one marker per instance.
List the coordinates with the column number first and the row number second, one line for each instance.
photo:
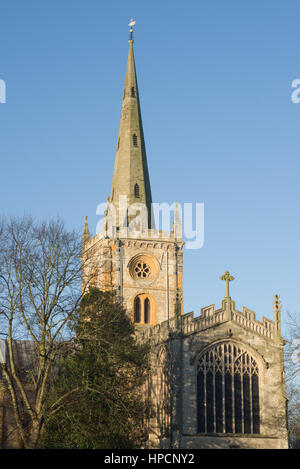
column 98, row 392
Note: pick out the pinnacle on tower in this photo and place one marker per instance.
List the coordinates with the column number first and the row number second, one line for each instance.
column 277, row 315
column 177, row 224
column 86, row 233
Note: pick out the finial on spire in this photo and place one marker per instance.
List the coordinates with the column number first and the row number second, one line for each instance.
column 132, row 23
column 228, row 278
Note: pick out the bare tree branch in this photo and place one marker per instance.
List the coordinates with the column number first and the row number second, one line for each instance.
column 40, row 290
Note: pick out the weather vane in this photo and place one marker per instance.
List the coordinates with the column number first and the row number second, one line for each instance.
column 132, row 23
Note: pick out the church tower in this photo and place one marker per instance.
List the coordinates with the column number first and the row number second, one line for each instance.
column 130, row 256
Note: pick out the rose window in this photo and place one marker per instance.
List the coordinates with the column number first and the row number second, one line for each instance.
column 142, row 270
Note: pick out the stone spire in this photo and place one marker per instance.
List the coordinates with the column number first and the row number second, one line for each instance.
column 131, row 176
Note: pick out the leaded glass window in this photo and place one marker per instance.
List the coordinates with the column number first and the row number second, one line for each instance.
column 143, row 311
column 228, row 391
column 137, row 309
column 147, row 311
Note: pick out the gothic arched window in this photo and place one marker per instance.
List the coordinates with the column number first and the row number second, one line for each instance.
column 144, row 309
column 137, row 309
column 227, row 391
column 132, row 92
column 134, row 140
column 136, row 191
column 147, row 311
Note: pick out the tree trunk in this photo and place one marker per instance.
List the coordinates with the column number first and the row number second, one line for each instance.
column 34, row 435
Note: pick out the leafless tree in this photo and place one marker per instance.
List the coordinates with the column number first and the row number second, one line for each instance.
column 40, row 289
column 292, row 366
column 292, row 348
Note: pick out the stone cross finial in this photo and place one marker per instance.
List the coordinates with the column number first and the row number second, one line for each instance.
column 228, row 278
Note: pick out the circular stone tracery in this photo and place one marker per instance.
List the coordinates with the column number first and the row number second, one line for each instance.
column 144, row 267
column 142, row 270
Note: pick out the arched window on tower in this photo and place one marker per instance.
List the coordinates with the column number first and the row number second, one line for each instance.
column 228, row 391
column 136, row 191
column 134, row 140
column 132, row 92
column 137, row 309
column 146, row 311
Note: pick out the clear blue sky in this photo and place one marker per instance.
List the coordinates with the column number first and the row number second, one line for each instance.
column 215, row 87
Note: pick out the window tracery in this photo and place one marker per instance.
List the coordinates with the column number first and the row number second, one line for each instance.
column 228, row 391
